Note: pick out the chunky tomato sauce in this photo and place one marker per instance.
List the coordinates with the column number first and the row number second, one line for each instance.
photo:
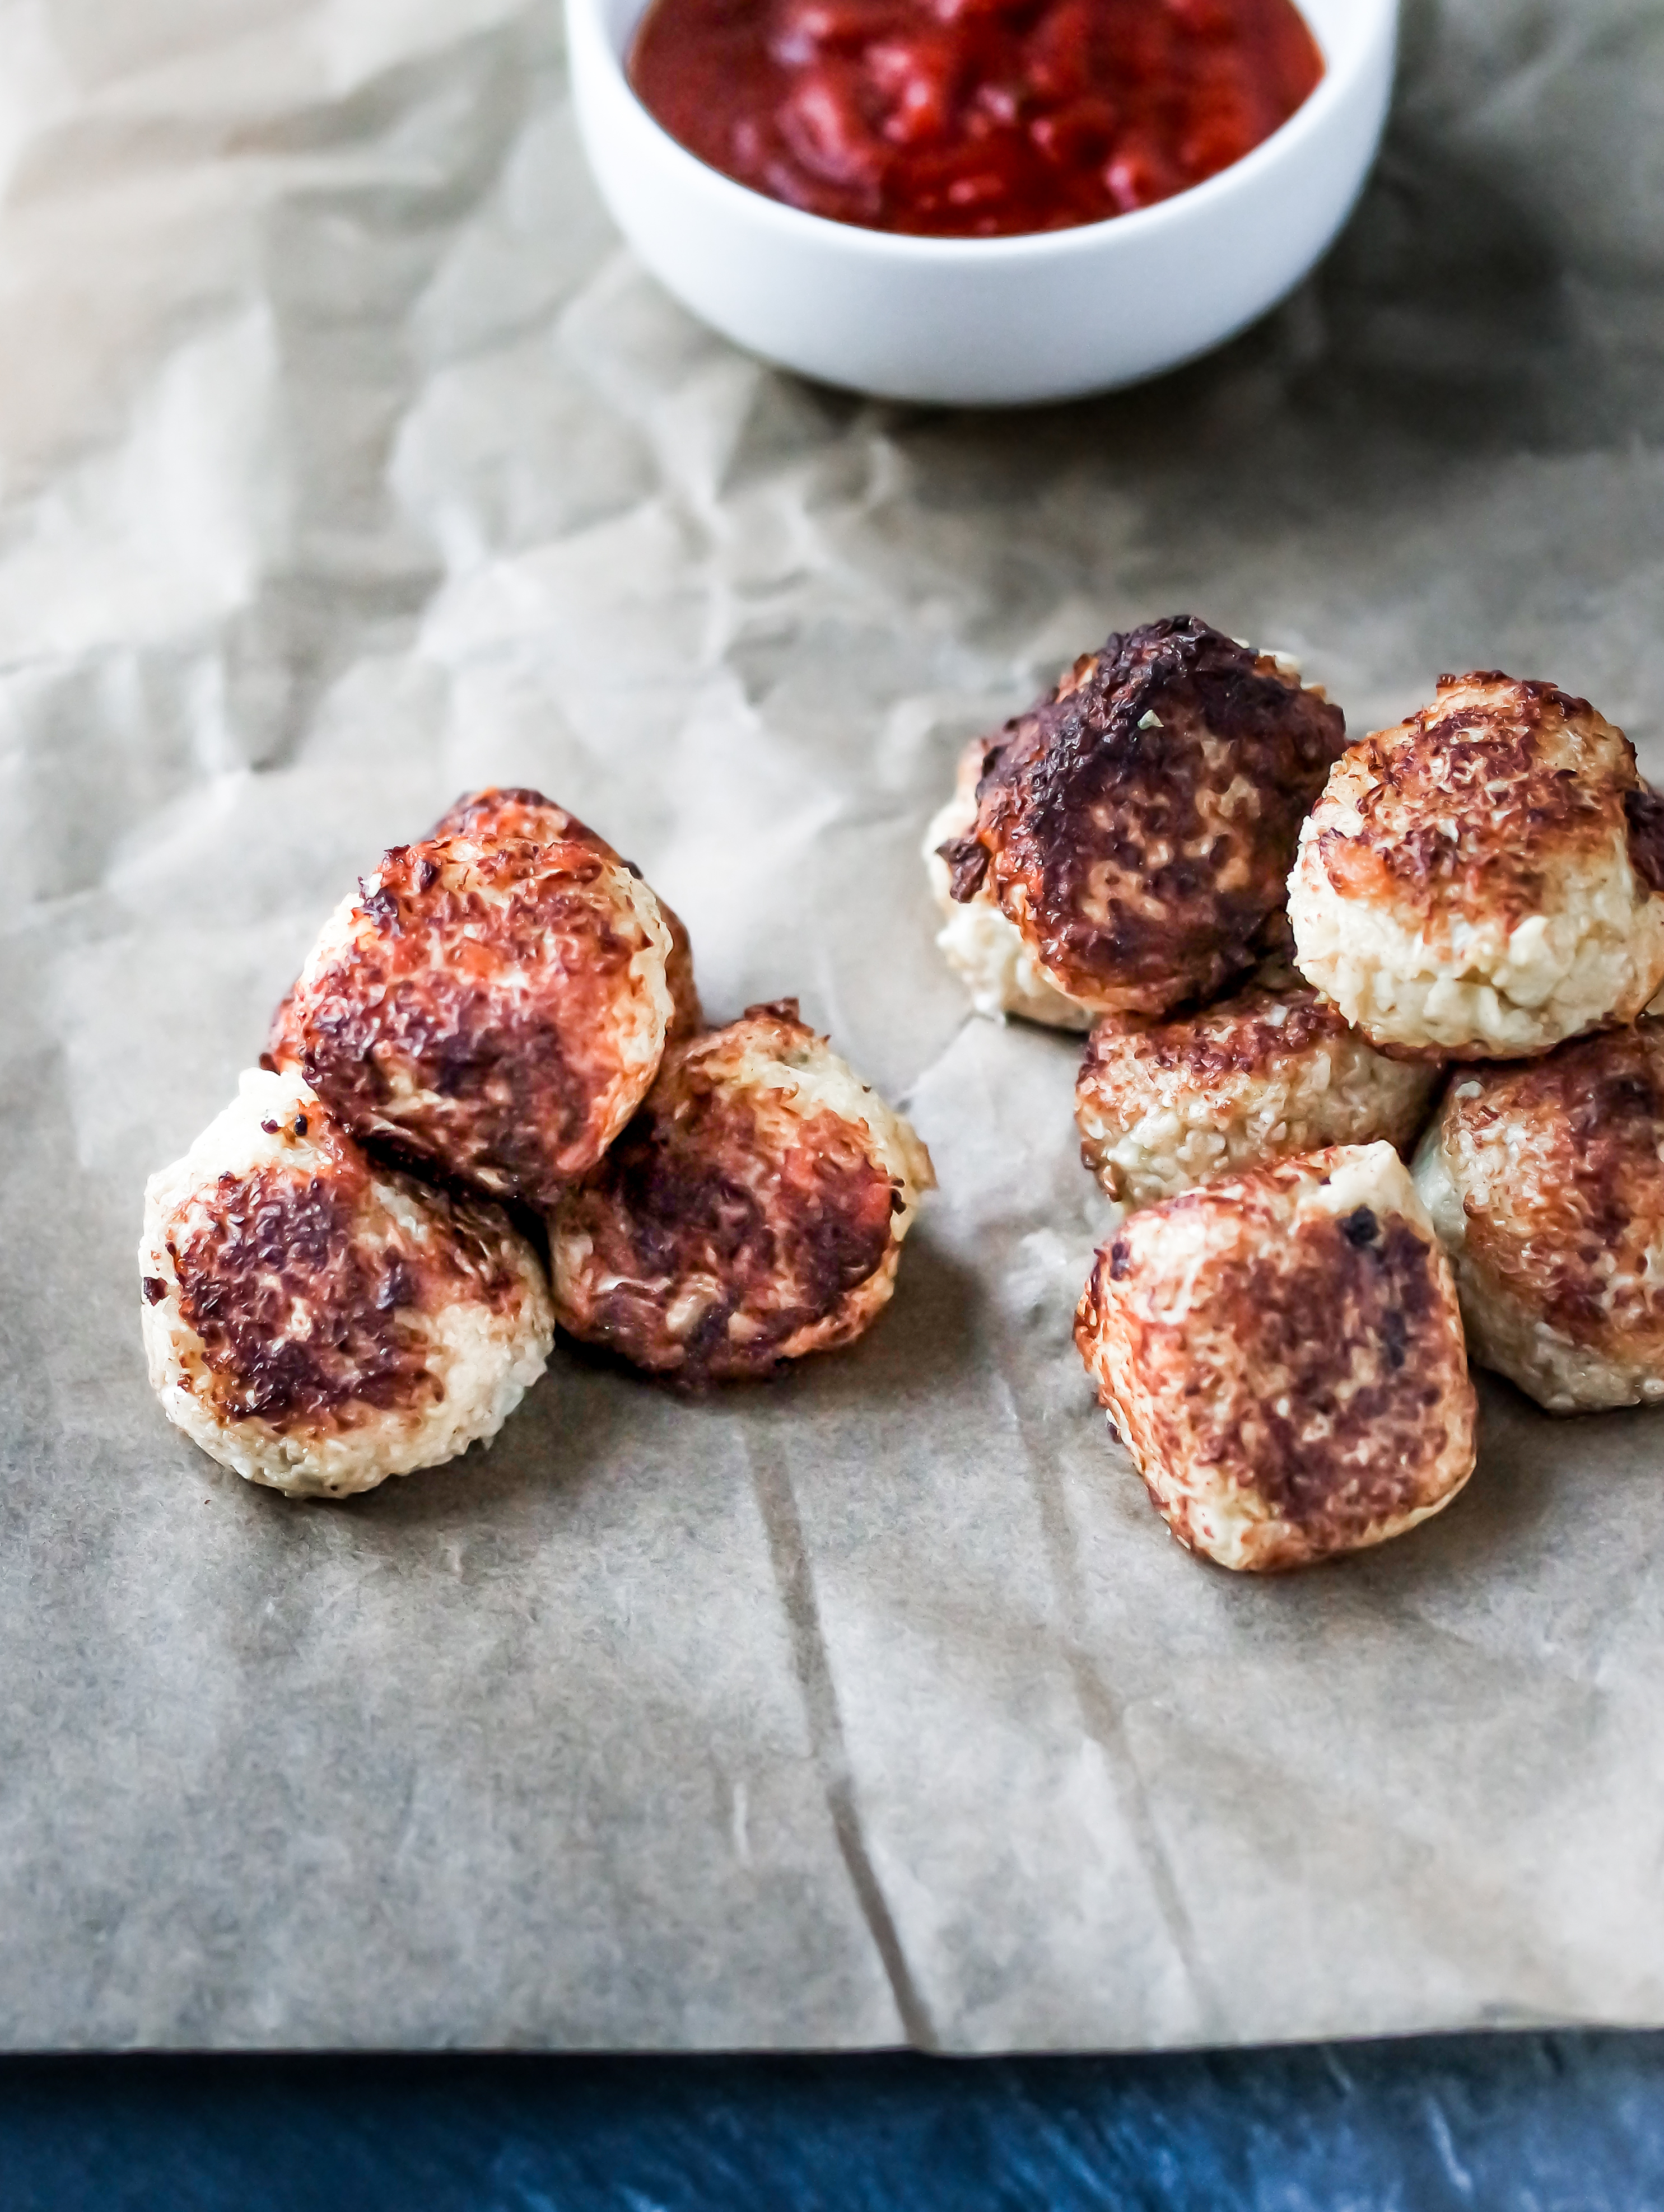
column 972, row 119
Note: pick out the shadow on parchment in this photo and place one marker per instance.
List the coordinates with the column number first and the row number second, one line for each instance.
column 1443, row 316
column 575, row 1426
column 1440, row 312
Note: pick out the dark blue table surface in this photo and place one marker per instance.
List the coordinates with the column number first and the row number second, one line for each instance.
column 1543, row 2122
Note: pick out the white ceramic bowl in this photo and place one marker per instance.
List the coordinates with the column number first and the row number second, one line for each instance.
column 993, row 321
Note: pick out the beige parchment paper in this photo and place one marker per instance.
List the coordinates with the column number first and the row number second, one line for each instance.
column 346, row 460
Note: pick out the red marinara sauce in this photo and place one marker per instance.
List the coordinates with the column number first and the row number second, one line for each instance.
column 972, row 119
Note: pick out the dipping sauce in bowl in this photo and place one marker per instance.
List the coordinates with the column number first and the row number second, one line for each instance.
column 972, row 119
column 985, row 314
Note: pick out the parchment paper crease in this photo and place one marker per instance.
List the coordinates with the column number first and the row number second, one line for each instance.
column 345, row 460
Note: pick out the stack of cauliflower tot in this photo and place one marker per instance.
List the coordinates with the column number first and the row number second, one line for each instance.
column 496, row 1042
column 1302, row 964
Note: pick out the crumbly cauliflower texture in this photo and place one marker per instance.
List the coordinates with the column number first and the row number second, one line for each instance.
column 493, row 1010
column 754, row 1212
column 514, row 814
column 1482, row 880
column 1262, row 1076
column 317, row 1323
column 1546, row 1182
column 1283, row 1355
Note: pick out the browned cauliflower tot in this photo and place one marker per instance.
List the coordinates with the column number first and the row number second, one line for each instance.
column 1482, row 881
column 1546, row 1182
column 1137, row 826
column 1264, row 1075
column 318, row 1322
column 1282, row 1353
column 753, row 1211
column 492, row 1012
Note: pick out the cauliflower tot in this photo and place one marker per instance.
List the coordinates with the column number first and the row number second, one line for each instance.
column 317, row 1323
column 1482, row 881
column 1271, row 1073
column 1137, row 826
column 493, row 1014
column 1283, row 1354
column 1546, row 1182
column 752, row 1213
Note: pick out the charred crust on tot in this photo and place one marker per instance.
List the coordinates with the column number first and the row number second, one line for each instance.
column 1480, row 755
column 1339, row 1426
column 428, row 1058
column 515, row 812
column 1574, row 1233
column 701, row 1205
column 301, row 1319
column 1096, row 828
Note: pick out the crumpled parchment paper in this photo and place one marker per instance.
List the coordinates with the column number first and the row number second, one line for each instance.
column 347, row 460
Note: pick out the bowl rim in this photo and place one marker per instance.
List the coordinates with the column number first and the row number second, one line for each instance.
column 586, row 23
